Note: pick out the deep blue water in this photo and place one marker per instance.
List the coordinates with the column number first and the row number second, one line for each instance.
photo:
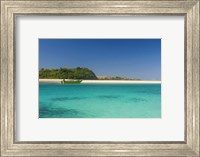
column 99, row 100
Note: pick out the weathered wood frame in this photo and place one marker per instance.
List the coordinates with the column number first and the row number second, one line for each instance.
column 12, row 8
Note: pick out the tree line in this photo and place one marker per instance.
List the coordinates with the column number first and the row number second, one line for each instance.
column 67, row 73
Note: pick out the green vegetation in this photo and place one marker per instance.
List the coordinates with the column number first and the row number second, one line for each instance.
column 67, row 73
column 76, row 74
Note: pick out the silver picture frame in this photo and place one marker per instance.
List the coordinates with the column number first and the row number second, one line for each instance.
column 10, row 9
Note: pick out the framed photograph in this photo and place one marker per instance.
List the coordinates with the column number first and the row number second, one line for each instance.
column 86, row 88
column 100, row 78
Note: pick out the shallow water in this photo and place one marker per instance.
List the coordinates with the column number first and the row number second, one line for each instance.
column 99, row 100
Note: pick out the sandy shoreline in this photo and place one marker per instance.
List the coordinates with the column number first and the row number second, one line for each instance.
column 106, row 81
column 50, row 80
column 122, row 81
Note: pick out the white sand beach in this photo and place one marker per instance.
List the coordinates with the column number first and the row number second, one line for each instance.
column 122, row 81
column 106, row 81
column 51, row 80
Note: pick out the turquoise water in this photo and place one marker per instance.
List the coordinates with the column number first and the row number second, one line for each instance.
column 99, row 100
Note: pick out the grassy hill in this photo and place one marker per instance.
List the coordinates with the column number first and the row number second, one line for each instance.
column 67, row 73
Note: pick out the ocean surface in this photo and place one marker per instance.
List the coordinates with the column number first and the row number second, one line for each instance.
column 99, row 100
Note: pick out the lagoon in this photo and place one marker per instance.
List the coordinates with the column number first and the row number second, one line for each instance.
column 99, row 100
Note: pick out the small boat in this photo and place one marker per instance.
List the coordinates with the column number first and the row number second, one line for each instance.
column 70, row 81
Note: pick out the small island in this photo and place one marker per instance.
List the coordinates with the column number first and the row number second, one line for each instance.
column 67, row 75
column 83, row 75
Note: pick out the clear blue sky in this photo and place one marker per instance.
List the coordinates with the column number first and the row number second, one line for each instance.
column 135, row 58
